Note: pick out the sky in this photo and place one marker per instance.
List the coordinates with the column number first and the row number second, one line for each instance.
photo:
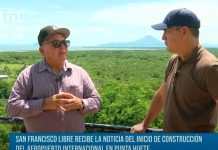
column 95, row 22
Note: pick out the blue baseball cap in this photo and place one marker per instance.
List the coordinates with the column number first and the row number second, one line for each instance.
column 179, row 17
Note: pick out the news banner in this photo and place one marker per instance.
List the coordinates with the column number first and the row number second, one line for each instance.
column 113, row 141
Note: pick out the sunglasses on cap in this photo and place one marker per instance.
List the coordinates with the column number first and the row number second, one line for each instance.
column 57, row 43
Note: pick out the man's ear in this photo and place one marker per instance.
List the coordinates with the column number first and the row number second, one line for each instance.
column 184, row 30
column 41, row 49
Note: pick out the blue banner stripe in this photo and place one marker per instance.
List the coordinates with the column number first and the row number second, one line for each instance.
column 113, row 141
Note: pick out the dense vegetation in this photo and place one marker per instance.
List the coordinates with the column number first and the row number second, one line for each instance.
column 126, row 81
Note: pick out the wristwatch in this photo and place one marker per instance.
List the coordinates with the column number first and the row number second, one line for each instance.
column 82, row 107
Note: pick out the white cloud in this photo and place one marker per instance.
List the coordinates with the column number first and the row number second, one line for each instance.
column 55, row 6
column 145, row 14
column 130, row 14
column 113, row 24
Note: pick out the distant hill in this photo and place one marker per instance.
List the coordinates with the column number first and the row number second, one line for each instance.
column 144, row 42
column 147, row 41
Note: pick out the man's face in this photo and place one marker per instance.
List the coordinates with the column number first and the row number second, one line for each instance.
column 53, row 54
column 172, row 38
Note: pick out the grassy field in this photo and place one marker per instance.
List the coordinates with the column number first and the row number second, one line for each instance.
column 124, row 79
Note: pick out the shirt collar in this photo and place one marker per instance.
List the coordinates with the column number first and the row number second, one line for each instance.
column 194, row 55
column 43, row 65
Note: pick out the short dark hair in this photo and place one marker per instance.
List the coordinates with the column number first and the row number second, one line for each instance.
column 194, row 31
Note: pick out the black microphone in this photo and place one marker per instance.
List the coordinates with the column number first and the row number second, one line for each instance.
column 59, row 78
column 177, row 73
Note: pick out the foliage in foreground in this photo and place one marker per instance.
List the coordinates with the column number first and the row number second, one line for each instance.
column 126, row 81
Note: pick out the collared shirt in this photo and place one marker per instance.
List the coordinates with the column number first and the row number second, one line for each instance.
column 192, row 86
column 37, row 82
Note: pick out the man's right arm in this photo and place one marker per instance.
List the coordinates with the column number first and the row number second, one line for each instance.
column 19, row 102
column 155, row 109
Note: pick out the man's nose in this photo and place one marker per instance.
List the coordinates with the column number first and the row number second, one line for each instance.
column 164, row 37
